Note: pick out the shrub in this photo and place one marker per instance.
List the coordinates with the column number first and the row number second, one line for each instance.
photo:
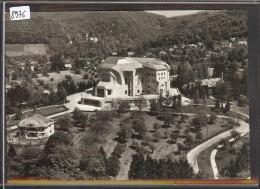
column 85, row 76
column 242, row 101
column 77, row 71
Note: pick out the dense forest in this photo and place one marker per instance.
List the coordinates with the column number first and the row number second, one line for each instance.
column 123, row 32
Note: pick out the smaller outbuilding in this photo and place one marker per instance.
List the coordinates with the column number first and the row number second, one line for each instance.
column 36, row 127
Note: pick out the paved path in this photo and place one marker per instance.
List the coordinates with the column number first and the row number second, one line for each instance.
column 214, row 152
column 213, row 163
column 193, row 154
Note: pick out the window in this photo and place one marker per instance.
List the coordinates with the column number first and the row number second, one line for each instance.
column 125, row 81
column 109, row 92
column 50, row 131
column 138, row 91
column 125, row 91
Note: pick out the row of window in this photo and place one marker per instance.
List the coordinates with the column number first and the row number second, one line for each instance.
column 138, row 91
column 162, row 73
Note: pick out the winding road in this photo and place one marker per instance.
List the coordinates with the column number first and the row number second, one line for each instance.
column 193, row 154
column 214, row 152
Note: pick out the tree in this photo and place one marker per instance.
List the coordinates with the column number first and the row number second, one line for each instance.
column 196, row 97
column 112, row 166
column 94, row 165
column 189, row 140
column 178, row 126
column 235, row 134
column 184, row 117
column 104, row 116
column 212, row 118
column 222, row 91
column 156, row 126
column 199, row 136
column 242, row 101
column 61, row 93
column 157, row 135
column 119, row 150
column 55, row 157
column 139, row 126
column 30, row 160
column 124, row 106
column 141, row 103
column 168, row 119
column 53, row 98
column 179, row 104
column 187, row 131
column 125, row 132
column 64, row 123
column 152, row 147
column 174, row 137
column 147, row 138
column 11, row 151
column 200, row 119
column 154, row 108
column 58, row 138
column 79, row 117
column 227, row 107
column 204, row 98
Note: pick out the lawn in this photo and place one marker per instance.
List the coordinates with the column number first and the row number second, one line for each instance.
column 43, row 111
column 244, row 110
column 204, row 163
column 194, row 109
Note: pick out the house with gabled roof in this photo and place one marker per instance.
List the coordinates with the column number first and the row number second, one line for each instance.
column 36, row 127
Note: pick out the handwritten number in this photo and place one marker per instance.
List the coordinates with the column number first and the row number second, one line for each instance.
column 18, row 14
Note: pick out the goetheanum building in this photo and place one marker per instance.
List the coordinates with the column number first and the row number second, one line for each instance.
column 129, row 78
column 36, row 127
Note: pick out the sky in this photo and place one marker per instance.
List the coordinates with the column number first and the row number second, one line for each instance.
column 175, row 12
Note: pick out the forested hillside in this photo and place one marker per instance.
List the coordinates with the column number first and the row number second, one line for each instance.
column 120, row 32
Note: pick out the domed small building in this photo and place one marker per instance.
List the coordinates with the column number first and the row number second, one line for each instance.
column 36, row 127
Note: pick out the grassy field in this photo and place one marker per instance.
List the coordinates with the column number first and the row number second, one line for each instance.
column 193, row 109
column 204, row 163
column 244, row 110
column 58, row 77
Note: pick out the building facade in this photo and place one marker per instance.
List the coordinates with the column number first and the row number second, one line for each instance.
column 123, row 77
column 36, row 127
column 129, row 78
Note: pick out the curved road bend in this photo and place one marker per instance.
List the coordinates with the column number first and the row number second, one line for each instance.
column 214, row 152
column 213, row 159
column 193, row 154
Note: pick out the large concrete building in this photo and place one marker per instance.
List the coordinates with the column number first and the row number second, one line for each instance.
column 129, row 78
column 36, row 127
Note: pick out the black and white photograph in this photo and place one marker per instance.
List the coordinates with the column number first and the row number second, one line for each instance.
column 127, row 95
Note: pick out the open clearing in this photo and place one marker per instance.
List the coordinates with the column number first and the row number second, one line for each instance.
column 58, row 77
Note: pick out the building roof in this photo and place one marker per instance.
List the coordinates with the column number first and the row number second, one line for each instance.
column 68, row 66
column 210, row 82
column 131, row 63
column 35, row 121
